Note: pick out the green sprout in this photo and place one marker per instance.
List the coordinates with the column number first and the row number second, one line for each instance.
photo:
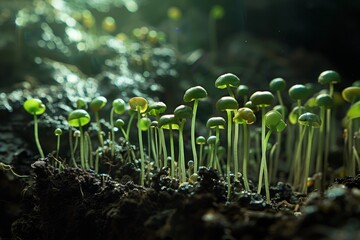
column 245, row 116
column 58, row 132
column 211, row 141
column 200, row 140
column 154, row 109
column 351, row 95
column 262, row 99
column 182, row 112
column 227, row 81
column 96, row 105
column 168, row 121
column 140, row 105
column 194, row 94
column 277, row 85
column 80, row 118
column 118, row 107
column 228, row 104
column 216, row 123
column 35, row 107
column 324, row 101
column 309, row 120
column 274, row 121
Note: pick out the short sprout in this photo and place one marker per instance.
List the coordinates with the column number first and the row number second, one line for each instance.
column 328, row 77
column 194, row 93
column 281, row 109
column 227, row 80
column 244, row 115
column 34, row 106
column 277, row 84
column 310, row 119
column 78, row 118
column 227, row 103
column 262, row 98
column 294, row 114
column 216, row 122
column 98, row 103
column 351, row 94
column 298, row 92
column 138, row 104
column 119, row 106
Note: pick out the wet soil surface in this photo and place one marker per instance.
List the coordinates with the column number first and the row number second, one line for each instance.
column 77, row 204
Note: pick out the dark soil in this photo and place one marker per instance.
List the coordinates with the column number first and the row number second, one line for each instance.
column 77, row 204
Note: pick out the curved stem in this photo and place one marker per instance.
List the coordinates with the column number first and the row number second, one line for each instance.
column 262, row 149
column 235, row 149
column 36, row 133
column 264, row 169
column 57, row 147
column 72, row 150
column 129, row 125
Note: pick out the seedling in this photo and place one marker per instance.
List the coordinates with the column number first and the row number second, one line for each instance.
column 140, row 105
column 194, row 94
column 277, row 85
column 216, row 123
column 245, row 116
column 309, row 120
column 200, row 140
column 79, row 118
column 35, row 107
column 182, row 112
column 262, row 99
column 96, row 105
column 58, row 132
column 228, row 104
column 324, row 101
column 118, row 107
column 168, row 121
column 274, row 121
column 155, row 109
column 242, row 91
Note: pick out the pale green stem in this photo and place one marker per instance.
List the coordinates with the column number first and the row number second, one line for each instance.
column 297, row 159
column 308, row 159
column 172, row 153
column 320, row 153
column 142, row 179
column 181, row 150
column 101, row 139
column 112, row 132
column 193, row 146
column 228, row 152
column 129, row 125
column 154, row 147
column 72, row 150
column 262, row 164
column 36, row 133
column 235, row 148
column 57, row 146
column 90, row 149
column 263, row 169
column 82, row 157
column 246, row 156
